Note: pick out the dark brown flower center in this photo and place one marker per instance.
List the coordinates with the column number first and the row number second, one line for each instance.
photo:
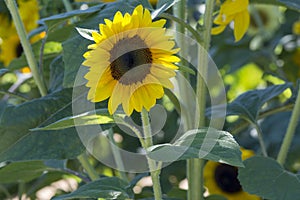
column 226, row 178
column 130, row 60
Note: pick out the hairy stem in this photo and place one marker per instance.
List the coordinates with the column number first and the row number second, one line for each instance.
column 117, row 155
column 153, row 167
column 290, row 132
column 261, row 140
column 83, row 159
column 196, row 166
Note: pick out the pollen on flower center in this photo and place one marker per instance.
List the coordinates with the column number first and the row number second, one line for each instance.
column 226, row 178
column 133, row 56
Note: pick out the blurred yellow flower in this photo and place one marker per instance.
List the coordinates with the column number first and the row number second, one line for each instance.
column 296, row 27
column 153, row 2
column 222, row 179
column 130, row 62
column 10, row 47
column 236, row 11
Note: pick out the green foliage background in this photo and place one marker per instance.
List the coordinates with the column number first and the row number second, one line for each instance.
column 39, row 144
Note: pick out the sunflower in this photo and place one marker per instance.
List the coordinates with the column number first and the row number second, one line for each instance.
column 10, row 47
column 131, row 61
column 222, row 179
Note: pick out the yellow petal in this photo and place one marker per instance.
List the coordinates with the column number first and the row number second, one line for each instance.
column 166, row 83
column 217, row 30
column 162, row 72
column 116, row 98
column 159, row 23
column 241, row 24
column 135, row 100
column 97, row 37
column 126, row 99
column 104, row 92
column 146, row 19
column 232, row 7
column 166, row 45
column 118, row 18
column 149, row 100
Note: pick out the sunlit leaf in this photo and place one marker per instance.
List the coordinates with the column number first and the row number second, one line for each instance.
column 207, row 143
column 99, row 116
column 107, row 188
column 248, row 104
column 22, row 171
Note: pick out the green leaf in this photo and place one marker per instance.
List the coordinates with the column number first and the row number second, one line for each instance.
column 99, row 116
column 248, row 104
column 184, row 68
column 207, row 143
column 55, row 20
column 56, row 74
column 162, row 6
column 18, row 143
column 86, row 33
column 22, row 171
column 293, row 4
column 107, row 188
column 72, row 59
column 51, row 50
column 266, row 178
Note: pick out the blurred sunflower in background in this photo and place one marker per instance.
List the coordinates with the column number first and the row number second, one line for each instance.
column 10, row 47
column 222, row 179
column 130, row 62
column 153, row 2
column 296, row 27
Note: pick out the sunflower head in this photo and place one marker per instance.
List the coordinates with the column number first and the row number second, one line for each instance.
column 131, row 61
column 222, row 179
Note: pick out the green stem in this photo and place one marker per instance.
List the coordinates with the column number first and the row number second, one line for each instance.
column 261, row 140
column 67, row 5
column 154, row 169
column 179, row 13
column 83, row 159
column 14, row 95
column 134, row 129
column 117, row 156
column 12, row 6
column 242, row 125
column 182, row 23
column 195, row 166
column 290, row 132
column 21, row 189
column 259, row 21
column 4, row 190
